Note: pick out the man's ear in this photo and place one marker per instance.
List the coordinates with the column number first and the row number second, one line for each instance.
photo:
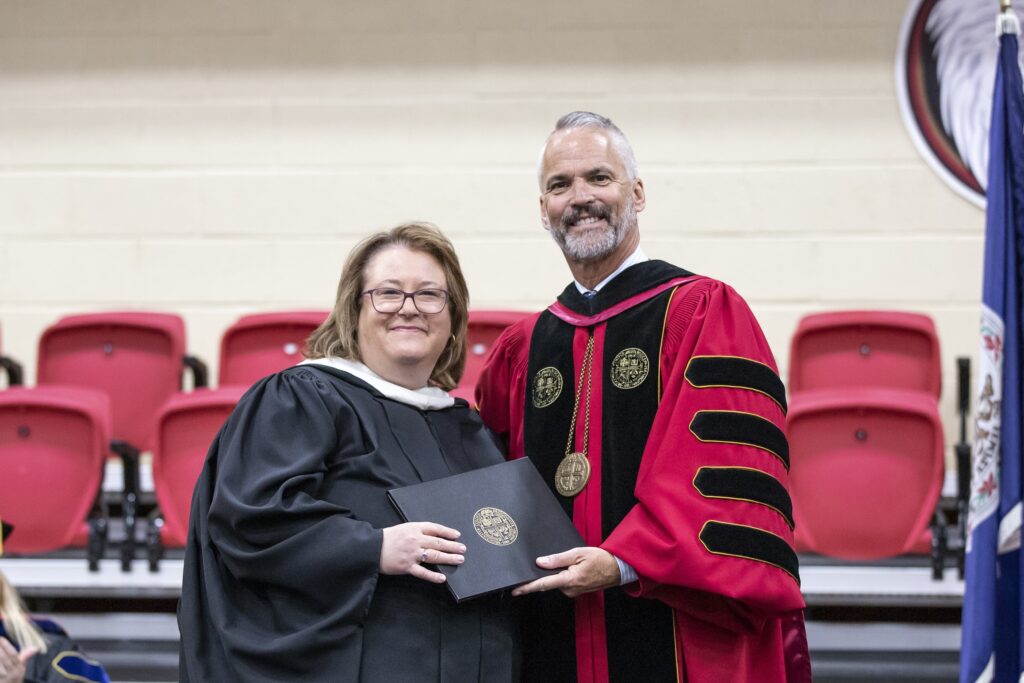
column 639, row 195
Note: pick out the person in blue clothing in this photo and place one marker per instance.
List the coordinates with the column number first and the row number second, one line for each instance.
column 38, row 650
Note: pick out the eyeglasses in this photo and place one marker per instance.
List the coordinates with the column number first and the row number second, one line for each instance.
column 391, row 300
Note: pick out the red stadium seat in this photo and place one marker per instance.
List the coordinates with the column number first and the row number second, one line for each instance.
column 137, row 358
column 484, row 328
column 866, row 472
column 261, row 344
column 865, row 348
column 53, row 445
column 186, row 427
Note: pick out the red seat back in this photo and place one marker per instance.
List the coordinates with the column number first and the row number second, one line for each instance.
column 866, row 470
column 484, row 329
column 186, row 427
column 53, row 443
column 135, row 357
column 865, row 348
column 261, row 344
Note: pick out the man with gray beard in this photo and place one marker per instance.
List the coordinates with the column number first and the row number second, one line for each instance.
column 649, row 400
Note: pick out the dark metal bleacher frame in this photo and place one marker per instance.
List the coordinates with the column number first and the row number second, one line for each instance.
column 949, row 527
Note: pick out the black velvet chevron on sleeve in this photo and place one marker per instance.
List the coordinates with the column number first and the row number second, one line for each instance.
column 742, row 483
column 736, row 540
column 747, row 429
column 736, row 373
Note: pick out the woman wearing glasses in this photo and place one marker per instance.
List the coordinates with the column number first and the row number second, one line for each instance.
column 298, row 568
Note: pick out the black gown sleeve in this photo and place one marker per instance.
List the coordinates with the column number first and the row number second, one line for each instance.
column 278, row 578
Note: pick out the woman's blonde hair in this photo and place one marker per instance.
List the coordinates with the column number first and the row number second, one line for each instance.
column 19, row 627
column 338, row 335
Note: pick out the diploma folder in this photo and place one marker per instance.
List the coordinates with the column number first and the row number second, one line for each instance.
column 508, row 518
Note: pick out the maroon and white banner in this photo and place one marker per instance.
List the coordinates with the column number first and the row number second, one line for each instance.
column 945, row 66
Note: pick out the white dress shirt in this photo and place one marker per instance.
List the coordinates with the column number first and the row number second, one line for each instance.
column 638, row 256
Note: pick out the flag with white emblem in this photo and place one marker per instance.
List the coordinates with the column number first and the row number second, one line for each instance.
column 992, row 613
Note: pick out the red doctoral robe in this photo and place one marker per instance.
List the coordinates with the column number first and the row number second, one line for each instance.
column 688, row 484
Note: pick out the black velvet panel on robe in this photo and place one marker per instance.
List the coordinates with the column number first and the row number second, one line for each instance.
column 281, row 577
column 639, row 633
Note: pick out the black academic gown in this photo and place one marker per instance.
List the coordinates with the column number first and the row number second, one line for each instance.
column 281, row 579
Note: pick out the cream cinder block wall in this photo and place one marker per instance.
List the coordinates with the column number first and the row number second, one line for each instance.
column 216, row 157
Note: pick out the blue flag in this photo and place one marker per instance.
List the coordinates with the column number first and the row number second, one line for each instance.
column 991, row 647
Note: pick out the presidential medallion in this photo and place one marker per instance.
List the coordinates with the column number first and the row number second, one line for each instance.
column 495, row 526
column 630, row 368
column 572, row 474
column 547, row 387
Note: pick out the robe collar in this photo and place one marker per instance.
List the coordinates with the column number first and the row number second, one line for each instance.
column 631, row 287
column 638, row 256
column 426, row 398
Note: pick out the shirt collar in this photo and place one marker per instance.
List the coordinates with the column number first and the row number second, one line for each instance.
column 638, row 256
column 426, row 398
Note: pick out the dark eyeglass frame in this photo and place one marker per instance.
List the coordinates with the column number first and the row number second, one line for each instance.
column 406, row 295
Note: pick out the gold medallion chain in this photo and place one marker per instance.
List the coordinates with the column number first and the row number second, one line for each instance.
column 574, row 470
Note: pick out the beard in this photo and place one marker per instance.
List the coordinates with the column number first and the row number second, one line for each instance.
column 593, row 244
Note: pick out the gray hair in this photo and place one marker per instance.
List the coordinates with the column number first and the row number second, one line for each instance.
column 588, row 119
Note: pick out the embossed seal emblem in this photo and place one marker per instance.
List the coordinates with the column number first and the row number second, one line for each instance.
column 572, row 474
column 547, row 387
column 630, row 368
column 495, row 526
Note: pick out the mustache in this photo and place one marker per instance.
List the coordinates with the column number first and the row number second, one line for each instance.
column 572, row 215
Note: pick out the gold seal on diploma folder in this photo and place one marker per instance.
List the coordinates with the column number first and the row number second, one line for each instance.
column 508, row 518
column 495, row 526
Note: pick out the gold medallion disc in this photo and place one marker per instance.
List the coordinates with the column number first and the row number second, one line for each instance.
column 572, row 474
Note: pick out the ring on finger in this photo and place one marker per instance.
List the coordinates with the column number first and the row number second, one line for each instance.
column 423, row 555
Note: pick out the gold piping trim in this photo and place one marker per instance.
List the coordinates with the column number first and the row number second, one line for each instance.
column 661, row 343
column 66, row 674
column 675, row 644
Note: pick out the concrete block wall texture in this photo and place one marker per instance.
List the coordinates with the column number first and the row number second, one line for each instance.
column 218, row 157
